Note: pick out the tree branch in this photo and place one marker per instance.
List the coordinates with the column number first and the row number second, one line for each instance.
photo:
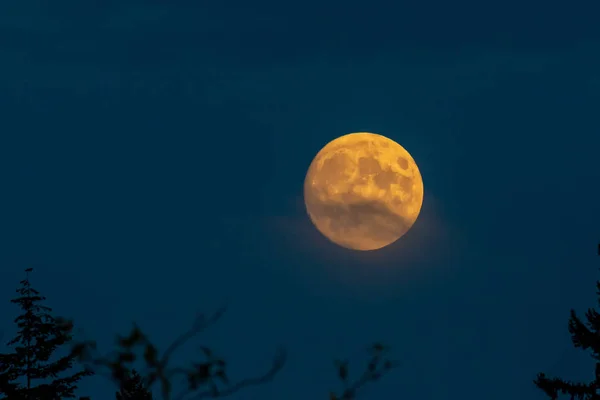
column 278, row 363
column 376, row 368
column 200, row 324
column 200, row 375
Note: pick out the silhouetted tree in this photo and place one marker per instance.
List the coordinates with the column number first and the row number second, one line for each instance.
column 38, row 337
column 208, row 379
column 133, row 388
column 587, row 337
column 205, row 379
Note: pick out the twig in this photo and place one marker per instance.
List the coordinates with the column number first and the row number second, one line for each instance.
column 278, row 362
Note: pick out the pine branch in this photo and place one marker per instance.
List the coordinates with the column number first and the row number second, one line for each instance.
column 581, row 336
column 555, row 386
column 587, row 337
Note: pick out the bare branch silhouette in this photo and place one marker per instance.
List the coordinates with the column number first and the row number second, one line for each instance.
column 277, row 365
column 200, row 324
column 204, row 379
column 376, row 368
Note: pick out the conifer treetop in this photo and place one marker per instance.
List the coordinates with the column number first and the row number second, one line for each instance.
column 34, row 369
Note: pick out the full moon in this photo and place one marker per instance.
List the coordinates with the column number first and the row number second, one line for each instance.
column 363, row 191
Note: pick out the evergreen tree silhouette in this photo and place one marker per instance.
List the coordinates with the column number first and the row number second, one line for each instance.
column 27, row 373
column 587, row 337
column 133, row 388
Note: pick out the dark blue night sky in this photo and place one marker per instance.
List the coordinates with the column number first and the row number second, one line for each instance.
column 152, row 157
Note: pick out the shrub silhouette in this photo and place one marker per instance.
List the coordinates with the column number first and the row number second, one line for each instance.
column 208, row 378
column 205, row 379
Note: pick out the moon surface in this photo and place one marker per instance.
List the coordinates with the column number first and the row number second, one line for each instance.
column 363, row 191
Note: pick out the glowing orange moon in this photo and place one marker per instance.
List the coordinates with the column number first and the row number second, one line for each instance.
column 363, row 191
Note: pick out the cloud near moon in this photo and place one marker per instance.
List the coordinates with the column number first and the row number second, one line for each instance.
column 374, row 221
column 363, row 191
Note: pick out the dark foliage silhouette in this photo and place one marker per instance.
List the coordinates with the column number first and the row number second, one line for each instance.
column 205, row 379
column 585, row 336
column 28, row 372
column 208, row 378
column 376, row 368
column 133, row 388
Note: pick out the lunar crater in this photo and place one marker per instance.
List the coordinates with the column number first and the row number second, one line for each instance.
column 402, row 162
